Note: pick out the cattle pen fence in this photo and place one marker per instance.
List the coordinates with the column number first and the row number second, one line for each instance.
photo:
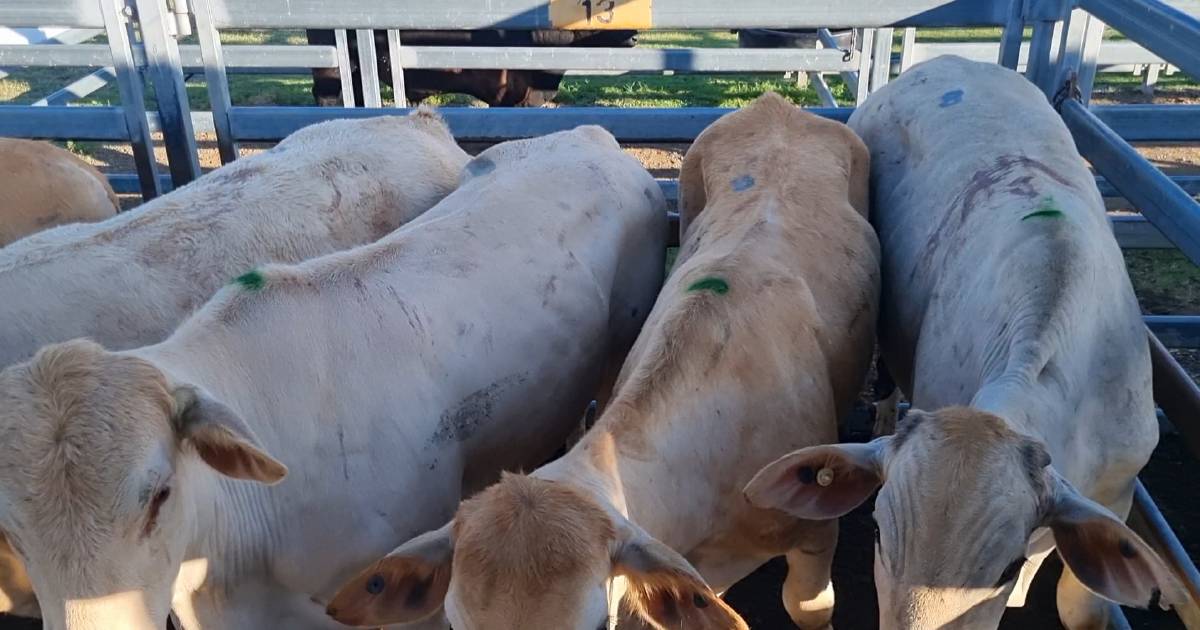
column 1062, row 54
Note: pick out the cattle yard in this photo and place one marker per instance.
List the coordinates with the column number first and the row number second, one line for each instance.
column 193, row 87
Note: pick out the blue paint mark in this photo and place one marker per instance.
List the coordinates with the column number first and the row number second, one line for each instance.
column 742, row 183
column 953, row 97
column 480, row 166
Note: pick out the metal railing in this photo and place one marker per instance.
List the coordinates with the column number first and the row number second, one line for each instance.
column 1175, row 37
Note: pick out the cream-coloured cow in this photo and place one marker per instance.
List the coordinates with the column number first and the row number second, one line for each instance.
column 1007, row 309
column 43, row 186
column 129, row 281
column 385, row 379
column 758, row 343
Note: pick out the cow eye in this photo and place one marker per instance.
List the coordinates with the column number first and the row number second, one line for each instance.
column 156, row 504
column 1011, row 571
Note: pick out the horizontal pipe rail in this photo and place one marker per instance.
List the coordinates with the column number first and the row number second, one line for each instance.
column 127, row 183
column 1151, row 123
column 624, row 59
column 264, row 56
column 1113, row 54
column 540, row 58
column 37, row 13
column 497, row 124
column 1189, row 183
column 1175, row 331
column 663, row 14
column 1176, row 393
column 627, row 124
column 1167, row 31
column 74, row 123
column 51, row 55
column 1170, row 208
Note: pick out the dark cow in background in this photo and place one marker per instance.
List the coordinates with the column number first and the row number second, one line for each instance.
column 506, row 88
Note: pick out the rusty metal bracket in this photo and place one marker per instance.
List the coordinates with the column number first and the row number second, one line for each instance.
column 1069, row 90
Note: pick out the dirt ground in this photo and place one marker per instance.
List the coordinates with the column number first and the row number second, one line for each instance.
column 758, row 596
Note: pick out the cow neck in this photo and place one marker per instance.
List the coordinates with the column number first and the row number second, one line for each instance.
column 1007, row 397
column 598, row 465
column 591, row 467
column 234, row 521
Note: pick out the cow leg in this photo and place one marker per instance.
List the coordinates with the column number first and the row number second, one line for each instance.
column 1038, row 550
column 1078, row 608
column 808, row 589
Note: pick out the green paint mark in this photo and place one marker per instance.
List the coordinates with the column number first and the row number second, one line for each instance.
column 711, row 283
column 252, row 280
column 1047, row 210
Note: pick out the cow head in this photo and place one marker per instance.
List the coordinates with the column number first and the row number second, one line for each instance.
column 960, row 497
column 105, row 467
column 534, row 554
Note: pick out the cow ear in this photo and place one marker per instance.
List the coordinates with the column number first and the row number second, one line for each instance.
column 407, row 585
column 666, row 590
column 1107, row 557
column 860, row 175
column 598, row 134
column 222, row 439
column 819, row 482
column 692, row 194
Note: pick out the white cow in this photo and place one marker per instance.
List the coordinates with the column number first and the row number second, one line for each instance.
column 1006, row 308
column 43, row 186
column 759, row 342
column 130, row 280
column 385, row 379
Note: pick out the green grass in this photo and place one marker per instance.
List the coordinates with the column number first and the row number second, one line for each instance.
column 687, row 39
column 731, row 90
column 1165, row 280
column 940, row 35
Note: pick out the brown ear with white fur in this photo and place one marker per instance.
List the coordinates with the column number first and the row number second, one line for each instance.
column 598, row 134
column 692, row 195
column 1107, row 557
column 819, row 482
column 666, row 590
column 407, row 585
column 222, row 439
column 860, row 176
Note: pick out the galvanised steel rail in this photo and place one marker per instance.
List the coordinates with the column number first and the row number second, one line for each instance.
column 1175, row 36
column 1134, row 123
column 637, row 14
column 1170, row 208
column 1159, row 27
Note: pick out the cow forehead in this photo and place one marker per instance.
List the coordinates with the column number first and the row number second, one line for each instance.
column 560, row 601
column 971, row 438
column 75, row 419
column 529, row 536
column 950, row 475
column 962, row 494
